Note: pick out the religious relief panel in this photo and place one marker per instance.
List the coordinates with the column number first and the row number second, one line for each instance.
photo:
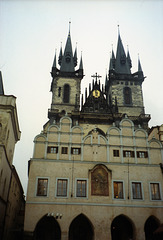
column 99, row 181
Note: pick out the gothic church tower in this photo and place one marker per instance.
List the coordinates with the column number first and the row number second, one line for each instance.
column 124, row 86
column 66, row 82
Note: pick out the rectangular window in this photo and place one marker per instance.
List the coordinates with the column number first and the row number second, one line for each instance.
column 62, row 187
column 128, row 154
column 81, row 188
column 116, row 153
column 136, row 190
column 118, row 190
column 155, row 191
column 42, row 187
column 141, row 154
column 64, row 150
column 52, row 150
column 75, row 151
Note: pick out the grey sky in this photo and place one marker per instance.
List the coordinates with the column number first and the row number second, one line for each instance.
column 30, row 31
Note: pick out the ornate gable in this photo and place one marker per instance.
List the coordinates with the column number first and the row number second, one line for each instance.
column 96, row 101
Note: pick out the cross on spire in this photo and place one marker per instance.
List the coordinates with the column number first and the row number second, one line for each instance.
column 96, row 76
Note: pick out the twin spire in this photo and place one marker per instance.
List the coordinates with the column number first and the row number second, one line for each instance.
column 67, row 61
column 122, row 63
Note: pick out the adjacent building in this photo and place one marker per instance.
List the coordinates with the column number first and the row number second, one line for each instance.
column 94, row 175
column 11, row 191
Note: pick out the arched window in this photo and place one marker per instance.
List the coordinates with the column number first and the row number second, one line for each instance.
column 127, row 95
column 66, row 93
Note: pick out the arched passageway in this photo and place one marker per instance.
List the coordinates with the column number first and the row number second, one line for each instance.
column 150, row 226
column 81, row 229
column 47, row 229
column 122, row 229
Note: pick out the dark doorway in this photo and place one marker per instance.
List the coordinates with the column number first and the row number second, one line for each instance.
column 150, row 226
column 121, row 228
column 81, row 229
column 47, row 229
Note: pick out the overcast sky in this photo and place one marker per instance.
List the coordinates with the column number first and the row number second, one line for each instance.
column 30, row 31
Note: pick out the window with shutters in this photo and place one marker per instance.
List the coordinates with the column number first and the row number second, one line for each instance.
column 116, row 153
column 75, row 151
column 62, row 187
column 136, row 190
column 52, row 150
column 128, row 154
column 42, row 186
column 155, row 191
column 118, row 189
column 64, row 150
column 81, row 188
column 142, row 154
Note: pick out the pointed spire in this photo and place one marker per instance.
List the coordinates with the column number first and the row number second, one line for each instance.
column 139, row 65
column 75, row 56
column 60, row 55
column 128, row 58
column 54, row 62
column 121, row 64
column 67, row 64
column 140, row 71
column 111, row 64
column 81, row 63
column 1, row 85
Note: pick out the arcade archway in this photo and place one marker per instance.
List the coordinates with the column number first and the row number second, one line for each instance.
column 81, row 229
column 150, row 226
column 47, row 229
column 122, row 228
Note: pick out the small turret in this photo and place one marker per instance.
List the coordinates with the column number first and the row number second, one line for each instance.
column 129, row 59
column 60, row 56
column 75, row 57
column 140, row 72
column 1, row 85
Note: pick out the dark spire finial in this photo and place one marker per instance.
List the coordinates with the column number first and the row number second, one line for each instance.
column 118, row 30
column 69, row 25
column 1, row 85
column 54, row 62
column 60, row 56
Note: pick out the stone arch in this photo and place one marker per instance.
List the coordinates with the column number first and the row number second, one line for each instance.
column 115, row 130
column 129, row 123
column 141, row 133
column 151, row 224
column 47, row 228
column 40, row 138
column 66, row 120
column 53, row 128
column 81, row 228
column 122, row 228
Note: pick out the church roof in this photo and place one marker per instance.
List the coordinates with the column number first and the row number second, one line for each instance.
column 121, row 63
column 67, row 62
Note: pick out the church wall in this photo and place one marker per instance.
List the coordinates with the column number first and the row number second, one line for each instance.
column 136, row 107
